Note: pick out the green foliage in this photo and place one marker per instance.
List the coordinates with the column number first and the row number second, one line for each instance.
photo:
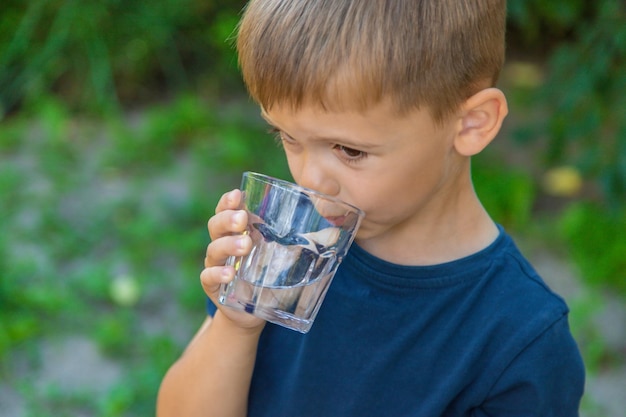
column 583, row 313
column 98, row 52
column 86, row 202
column 584, row 93
column 508, row 195
column 588, row 126
column 534, row 19
column 596, row 241
column 577, row 110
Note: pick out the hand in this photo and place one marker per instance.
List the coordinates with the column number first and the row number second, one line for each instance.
column 225, row 229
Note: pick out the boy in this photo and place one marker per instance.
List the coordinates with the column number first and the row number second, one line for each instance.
column 434, row 312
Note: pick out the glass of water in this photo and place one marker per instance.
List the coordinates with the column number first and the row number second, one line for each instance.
column 299, row 238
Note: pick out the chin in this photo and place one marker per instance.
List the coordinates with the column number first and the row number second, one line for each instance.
column 365, row 233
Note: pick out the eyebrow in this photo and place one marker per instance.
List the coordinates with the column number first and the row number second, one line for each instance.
column 340, row 140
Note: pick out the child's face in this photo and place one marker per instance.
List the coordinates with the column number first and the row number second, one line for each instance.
column 395, row 168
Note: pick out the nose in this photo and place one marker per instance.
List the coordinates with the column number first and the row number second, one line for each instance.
column 311, row 173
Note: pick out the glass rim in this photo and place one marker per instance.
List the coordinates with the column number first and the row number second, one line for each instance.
column 297, row 187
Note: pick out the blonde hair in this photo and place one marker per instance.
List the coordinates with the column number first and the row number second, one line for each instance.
column 351, row 54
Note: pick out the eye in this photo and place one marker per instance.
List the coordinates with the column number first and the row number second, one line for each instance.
column 350, row 154
column 275, row 134
column 280, row 137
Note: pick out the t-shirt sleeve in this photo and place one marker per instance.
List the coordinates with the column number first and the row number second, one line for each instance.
column 210, row 307
column 545, row 380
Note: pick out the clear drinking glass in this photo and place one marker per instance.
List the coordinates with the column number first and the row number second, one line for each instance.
column 299, row 238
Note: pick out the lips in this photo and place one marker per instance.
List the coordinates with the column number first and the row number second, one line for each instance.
column 345, row 220
column 336, row 220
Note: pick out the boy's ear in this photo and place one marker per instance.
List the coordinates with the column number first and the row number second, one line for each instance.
column 481, row 118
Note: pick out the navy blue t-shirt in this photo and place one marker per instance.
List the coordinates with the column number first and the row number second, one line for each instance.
column 480, row 336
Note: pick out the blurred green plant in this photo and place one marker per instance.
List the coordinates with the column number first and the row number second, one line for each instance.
column 85, row 201
column 507, row 194
column 535, row 20
column 98, row 53
column 595, row 239
column 583, row 97
column 584, row 312
column 89, row 202
column 577, row 110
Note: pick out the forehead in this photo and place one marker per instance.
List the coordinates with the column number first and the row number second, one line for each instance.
column 376, row 125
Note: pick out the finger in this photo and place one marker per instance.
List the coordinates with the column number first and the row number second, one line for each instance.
column 221, row 249
column 229, row 201
column 212, row 278
column 227, row 222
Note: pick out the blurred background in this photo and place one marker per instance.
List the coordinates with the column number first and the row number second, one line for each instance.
column 122, row 122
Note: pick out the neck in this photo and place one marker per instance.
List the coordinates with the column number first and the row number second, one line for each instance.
column 453, row 225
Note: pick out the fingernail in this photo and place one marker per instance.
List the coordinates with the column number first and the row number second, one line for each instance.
column 238, row 218
column 241, row 243
column 225, row 275
column 231, row 197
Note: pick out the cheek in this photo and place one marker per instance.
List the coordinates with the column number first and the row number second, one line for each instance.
column 294, row 165
column 397, row 192
column 376, row 195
